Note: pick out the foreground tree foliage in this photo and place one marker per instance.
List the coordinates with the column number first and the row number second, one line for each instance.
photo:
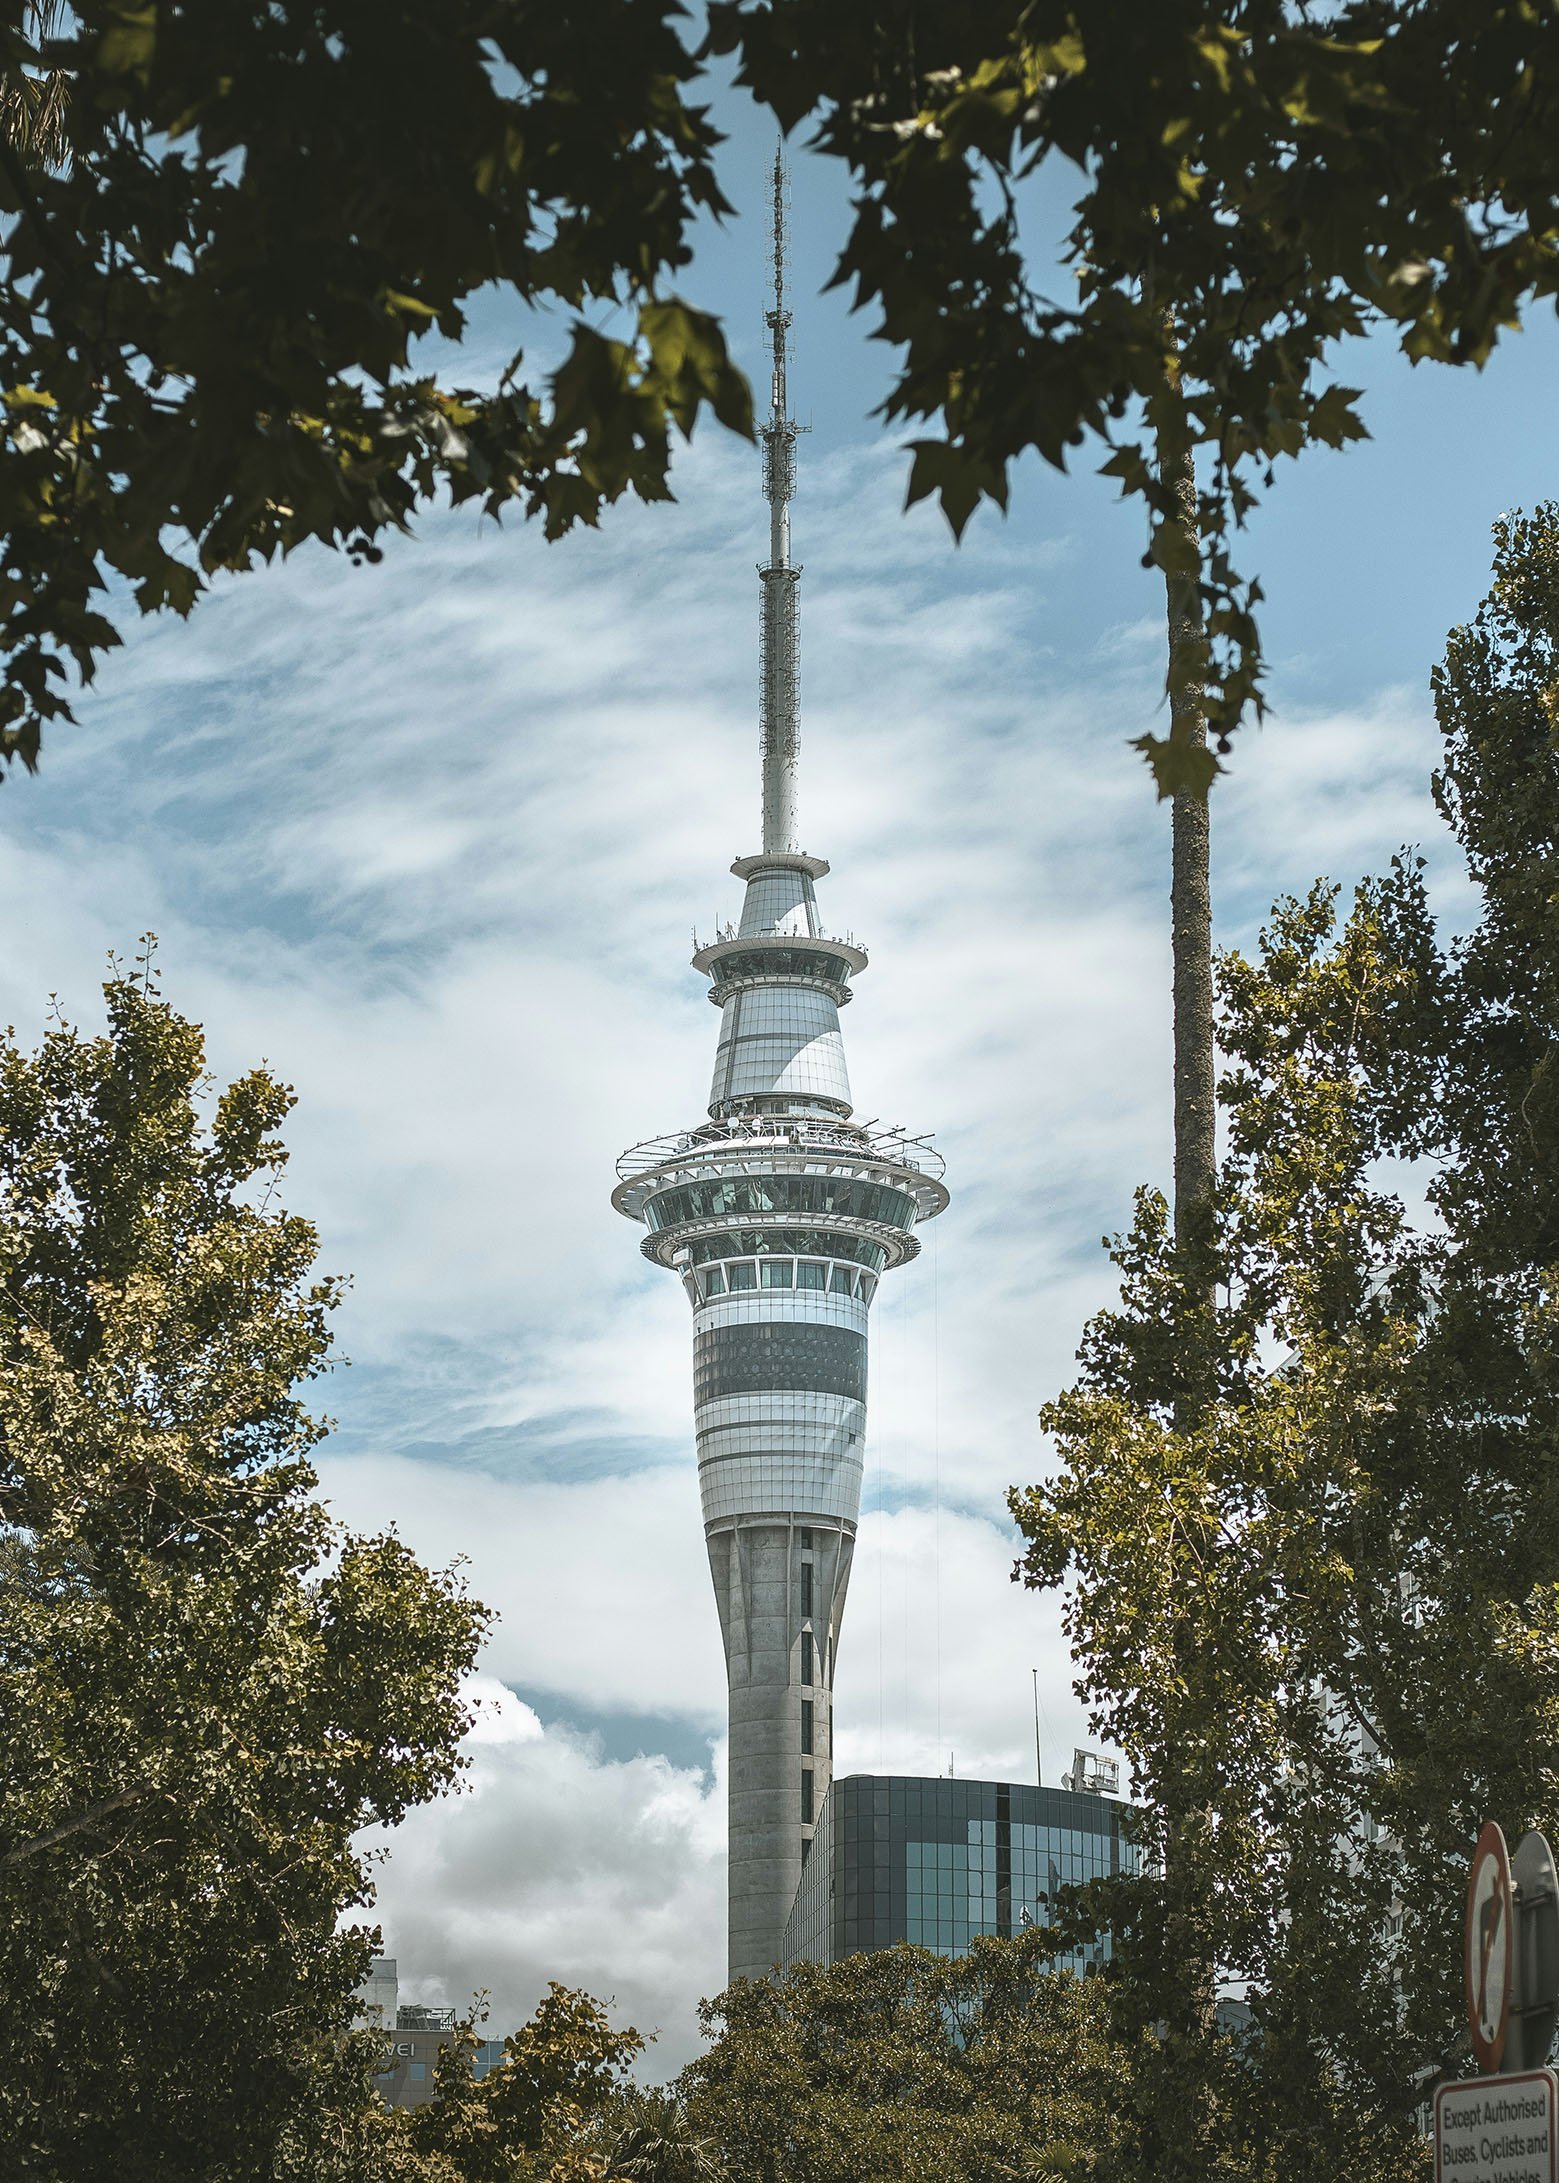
column 652, row 2137
column 1252, row 182
column 1331, row 1600
column 207, row 1688
column 901, row 2066
column 227, row 228
column 547, row 2113
column 538, row 2118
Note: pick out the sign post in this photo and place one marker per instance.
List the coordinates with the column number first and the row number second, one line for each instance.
column 1502, row 2126
column 1535, row 2003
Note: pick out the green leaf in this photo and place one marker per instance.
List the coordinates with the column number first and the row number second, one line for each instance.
column 1178, row 765
column 127, row 47
column 959, row 480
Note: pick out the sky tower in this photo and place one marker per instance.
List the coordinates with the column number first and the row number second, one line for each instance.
column 779, row 1213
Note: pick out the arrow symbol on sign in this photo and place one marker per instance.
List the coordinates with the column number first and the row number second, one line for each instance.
column 1488, row 1932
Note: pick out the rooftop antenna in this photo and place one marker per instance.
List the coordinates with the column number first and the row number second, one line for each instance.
column 780, row 625
column 1039, row 1774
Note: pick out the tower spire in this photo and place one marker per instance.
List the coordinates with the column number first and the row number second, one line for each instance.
column 779, row 628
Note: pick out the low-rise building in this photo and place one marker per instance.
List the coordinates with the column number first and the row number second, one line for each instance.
column 411, row 2049
column 414, row 2037
column 936, row 1862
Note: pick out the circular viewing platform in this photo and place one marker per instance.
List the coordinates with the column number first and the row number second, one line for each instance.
column 781, row 860
column 709, row 955
column 765, row 1169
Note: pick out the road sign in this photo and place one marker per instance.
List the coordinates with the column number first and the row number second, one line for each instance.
column 1490, row 1948
column 1498, row 2129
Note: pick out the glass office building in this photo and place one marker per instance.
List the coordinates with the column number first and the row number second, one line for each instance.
column 935, row 1862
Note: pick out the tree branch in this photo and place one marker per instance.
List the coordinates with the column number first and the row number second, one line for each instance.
column 82, row 1820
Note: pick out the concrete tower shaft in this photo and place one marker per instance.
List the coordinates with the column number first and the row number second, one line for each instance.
column 779, row 1213
column 780, row 1588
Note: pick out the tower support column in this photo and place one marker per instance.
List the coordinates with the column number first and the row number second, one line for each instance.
column 780, row 1588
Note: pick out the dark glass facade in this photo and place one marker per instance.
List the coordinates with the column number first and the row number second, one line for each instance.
column 899, row 1857
column 795, row 1354
column 847, row 1197
column 804, row 964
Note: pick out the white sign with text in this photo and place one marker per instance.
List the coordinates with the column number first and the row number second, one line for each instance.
column 1498, row 2129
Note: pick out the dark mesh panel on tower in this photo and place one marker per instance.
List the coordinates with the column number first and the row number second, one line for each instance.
column 786, row 1354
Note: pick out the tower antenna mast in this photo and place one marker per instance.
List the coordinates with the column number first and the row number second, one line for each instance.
column 779, row 599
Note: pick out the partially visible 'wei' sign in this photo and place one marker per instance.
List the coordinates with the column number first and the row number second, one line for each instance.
column 1498, row 2129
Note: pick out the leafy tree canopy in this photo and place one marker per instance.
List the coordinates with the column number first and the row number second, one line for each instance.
column 538, row 2117
column 1255, row 181
column 208, row 1689
column 1326, row 1609
column 217, row 285
column 215, row 293
column 652, row 2138
column 901, row 2066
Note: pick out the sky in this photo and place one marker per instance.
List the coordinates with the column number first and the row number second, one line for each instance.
column 432, row 840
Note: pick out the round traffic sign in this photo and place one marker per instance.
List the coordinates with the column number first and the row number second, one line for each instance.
column 1491, row 1948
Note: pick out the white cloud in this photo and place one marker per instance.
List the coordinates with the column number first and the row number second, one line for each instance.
column 604, row 1604
column 1334, row 796
column 556, row 1863
column 601, row 1587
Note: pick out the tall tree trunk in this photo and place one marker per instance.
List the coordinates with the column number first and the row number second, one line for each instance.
column 1185, row 2121
column 1190, row 893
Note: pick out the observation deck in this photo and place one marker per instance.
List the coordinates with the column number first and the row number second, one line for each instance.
column 735, row 960
column 800, row 1177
